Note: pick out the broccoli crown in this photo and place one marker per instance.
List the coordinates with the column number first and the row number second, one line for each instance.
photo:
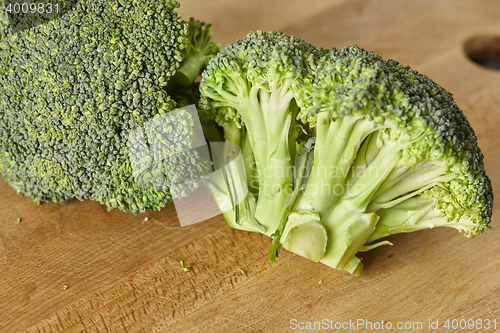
column 74, row 88
column 358, row 83
column 262, row 61
column 452, row 140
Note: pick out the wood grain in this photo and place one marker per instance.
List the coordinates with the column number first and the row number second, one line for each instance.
column 123, row 275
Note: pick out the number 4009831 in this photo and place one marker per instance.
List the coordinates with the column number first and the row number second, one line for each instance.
column 471, row 324
column 38, row 8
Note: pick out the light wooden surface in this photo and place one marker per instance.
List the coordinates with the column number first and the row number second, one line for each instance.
column 124, row 275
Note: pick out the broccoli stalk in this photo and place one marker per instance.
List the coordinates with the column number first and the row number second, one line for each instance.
column 266, row 117
column 228, row 186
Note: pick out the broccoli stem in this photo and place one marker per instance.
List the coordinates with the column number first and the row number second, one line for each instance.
column 239, row 136
column 189, row 70
column 233, row 133
column 366, row 154
column 230, row 192
column 211, row 131
column 249, row 161
column 355, row 267
column 394, row 218
column 337, row 145
column 304, row 235
column 267, row 114
column 348, row 226
column 268, row 111
column 414, row 214
column 409, row 187
column 384, row 182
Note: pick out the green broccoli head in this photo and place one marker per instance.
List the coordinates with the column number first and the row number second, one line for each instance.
column 453, row 143
column 383, row 150
column 75, row 88
column 404, row 155
column 261, row 64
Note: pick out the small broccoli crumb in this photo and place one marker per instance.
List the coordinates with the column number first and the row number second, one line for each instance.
column 186, row 269
column 65, row 287
column 242, row 271
column 146, row 219
column 18, row 220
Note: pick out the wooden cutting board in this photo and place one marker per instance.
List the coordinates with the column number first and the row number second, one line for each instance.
column 123, row 275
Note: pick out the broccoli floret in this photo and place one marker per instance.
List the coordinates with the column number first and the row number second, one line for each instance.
column 75, row 88
column 184, row 87
column 249, row 86
column 382, row 148
column 199, row 49
column 403, row 154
